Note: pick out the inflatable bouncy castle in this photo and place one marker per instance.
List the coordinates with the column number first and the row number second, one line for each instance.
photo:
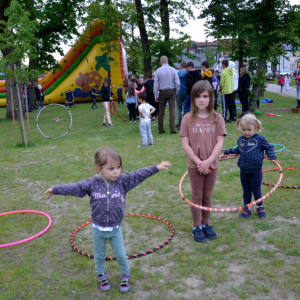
column 83, row 67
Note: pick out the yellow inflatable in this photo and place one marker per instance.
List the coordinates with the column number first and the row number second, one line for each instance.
column 85, row 66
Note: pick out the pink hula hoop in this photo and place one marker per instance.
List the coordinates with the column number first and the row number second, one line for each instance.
column 32, row 237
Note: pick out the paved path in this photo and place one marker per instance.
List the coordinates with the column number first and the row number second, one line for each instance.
column 275, row 88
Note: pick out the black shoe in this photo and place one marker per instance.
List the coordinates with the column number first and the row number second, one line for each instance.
column 234, row 119
column 209, row 232
column 173, row 132
column 178, row 125
column 241, row 115
column 162, row 132
column 229, row 121
column 199, row 235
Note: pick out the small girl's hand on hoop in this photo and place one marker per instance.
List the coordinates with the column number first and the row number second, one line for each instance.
column 49, row 192
column 164, row 165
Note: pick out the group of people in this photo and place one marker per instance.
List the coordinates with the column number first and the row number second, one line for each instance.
column 39, row 93
column 202, row 134
column 285, row 80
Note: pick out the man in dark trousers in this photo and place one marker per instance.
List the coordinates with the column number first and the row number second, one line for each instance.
column 166, row 85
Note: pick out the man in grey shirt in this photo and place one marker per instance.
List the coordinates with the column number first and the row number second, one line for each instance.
column 166, row 85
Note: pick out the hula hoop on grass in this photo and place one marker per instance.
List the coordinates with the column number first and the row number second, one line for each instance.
column 32, row 237
column 281, row 186
column 132, row 255
column 225, row 157
column 279, row 150
column 37, row 121
column 113, row 110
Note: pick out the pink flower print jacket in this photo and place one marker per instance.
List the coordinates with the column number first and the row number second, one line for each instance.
column 107, row 202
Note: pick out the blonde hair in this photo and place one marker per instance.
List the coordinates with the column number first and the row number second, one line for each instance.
column 198, row 88
column 106, row 154
column 248, row 119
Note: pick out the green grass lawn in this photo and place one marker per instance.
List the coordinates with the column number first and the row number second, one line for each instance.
column 250, row 259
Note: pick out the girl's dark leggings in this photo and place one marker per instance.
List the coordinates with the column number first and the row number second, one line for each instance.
column 251, row 183
column 132, row 111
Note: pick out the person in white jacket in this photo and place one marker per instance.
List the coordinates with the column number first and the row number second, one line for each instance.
column 287, row 78
column 235, row 87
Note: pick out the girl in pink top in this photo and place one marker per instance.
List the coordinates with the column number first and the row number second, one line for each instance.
column 281, row 81
column 297, row 79
column 202, row 134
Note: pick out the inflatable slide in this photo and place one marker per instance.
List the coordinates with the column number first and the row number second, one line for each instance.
column 83, row 67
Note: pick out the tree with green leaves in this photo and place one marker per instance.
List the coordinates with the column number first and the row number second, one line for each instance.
column 17, row 39
column 210, row 54
column 255, row 29
column 54, row 22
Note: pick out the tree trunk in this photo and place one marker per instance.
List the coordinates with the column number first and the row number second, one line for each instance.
column 32, row 62
column 257, row 87
column 9, row 106
column 164, row 17
column 241, row 52
column 144, row 36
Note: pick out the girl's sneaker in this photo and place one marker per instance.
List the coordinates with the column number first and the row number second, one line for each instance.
column 199, row 235
column 209, row 232
column 246, row 213
column 103, row 282
column 261, row 212
column 124, row 283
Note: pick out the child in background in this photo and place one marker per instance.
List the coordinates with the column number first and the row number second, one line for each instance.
column 106, row 98
column 120, row 94
column 145, row 110
column 131, row 103
column 107, row 191
column 93, row 96
column 251, row 147
column 202, row 134
column 281, row 81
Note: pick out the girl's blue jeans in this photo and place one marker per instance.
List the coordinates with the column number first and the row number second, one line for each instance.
column 298, row 90
column 116, row 240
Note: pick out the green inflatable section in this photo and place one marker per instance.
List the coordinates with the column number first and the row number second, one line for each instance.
column 98, row 39
column 2, row 95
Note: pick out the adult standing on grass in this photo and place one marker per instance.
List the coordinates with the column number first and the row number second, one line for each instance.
column 297, row 79
column 287, row 81
column 166, row 85
column 181, row 94
column 235, row 85
column 106, row 98
column 148, row 88
column 244, row 88
column 191, row 78
column 226, row 89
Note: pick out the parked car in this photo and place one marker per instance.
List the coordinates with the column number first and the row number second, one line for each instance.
column 296, row 72
column 282, row 72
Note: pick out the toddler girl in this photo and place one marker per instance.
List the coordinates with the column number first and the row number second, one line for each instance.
column 202, row 134
column 107, row 191
column 251, row 147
